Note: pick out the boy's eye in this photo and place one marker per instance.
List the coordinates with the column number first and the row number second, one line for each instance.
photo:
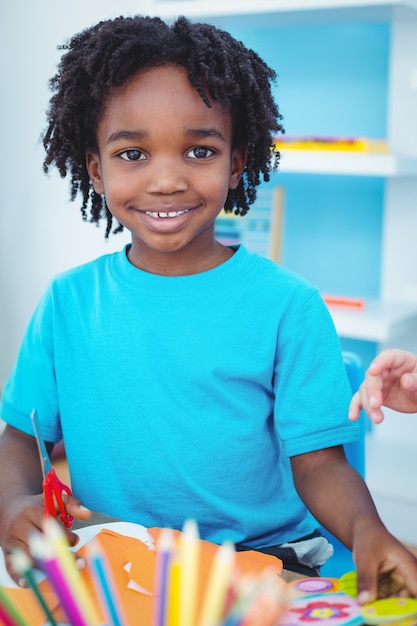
column 200, row 152
column 132, row 155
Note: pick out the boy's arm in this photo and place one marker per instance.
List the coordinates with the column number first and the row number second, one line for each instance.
column 21, row 510
column 339, row 499
column 21, row 499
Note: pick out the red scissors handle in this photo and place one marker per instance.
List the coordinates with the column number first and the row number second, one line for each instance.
column 53, row 489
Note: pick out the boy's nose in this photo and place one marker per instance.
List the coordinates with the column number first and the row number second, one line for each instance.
column 166, row 176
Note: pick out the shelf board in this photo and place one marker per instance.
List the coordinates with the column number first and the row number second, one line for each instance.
column 378, row 321
column 348, row 163
column 285, row 12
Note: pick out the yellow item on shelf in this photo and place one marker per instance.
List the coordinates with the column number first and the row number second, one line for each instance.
column 354, row 144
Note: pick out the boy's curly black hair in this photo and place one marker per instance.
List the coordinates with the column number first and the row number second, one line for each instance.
column 107, row 54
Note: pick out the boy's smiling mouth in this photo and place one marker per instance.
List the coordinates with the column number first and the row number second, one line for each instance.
column 165, row 214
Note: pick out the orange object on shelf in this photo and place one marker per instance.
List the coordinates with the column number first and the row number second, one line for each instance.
column 342, row 301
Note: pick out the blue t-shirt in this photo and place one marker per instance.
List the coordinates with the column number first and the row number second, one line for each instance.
column 184, row 396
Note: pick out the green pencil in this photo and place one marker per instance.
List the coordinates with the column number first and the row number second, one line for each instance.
column 22, row 565
column 12, row 611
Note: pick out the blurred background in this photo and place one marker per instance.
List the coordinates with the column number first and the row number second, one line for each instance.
column 345, row 70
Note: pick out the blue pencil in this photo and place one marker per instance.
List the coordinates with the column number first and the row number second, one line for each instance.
column 104, row 584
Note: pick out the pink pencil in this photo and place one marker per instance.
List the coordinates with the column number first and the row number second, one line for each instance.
column 5, row 617
column 9, row 613
column 42, row 550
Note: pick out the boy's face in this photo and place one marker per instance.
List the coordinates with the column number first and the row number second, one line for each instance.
column 165, row 164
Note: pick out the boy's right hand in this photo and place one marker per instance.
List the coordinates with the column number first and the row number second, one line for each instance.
column 21, row 498
column 26, row 515
column 391, row 381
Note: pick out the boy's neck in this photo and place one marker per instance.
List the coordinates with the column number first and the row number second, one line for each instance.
column 181, row 263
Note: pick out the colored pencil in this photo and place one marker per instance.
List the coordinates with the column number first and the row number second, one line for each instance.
column 104, row 584
column 163, row 555
column 219, row 580
column 189, row 548
column 244, row 588
column 173, row 593
column 67, row 560
column 11, row 615
column 22, row 565
column 270, row 600
column 5, row 618
column 45, row 553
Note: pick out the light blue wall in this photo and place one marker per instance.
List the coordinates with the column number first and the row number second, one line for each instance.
column 332, row 230
column 332, row 79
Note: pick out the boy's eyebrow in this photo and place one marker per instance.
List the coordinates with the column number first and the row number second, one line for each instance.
column 135, row 135
column 126, row 134
column 202, row 133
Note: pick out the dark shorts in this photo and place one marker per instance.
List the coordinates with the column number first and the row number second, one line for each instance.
column 288, row 556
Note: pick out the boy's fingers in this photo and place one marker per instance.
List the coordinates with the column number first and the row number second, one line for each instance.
column 367, row 398
column 75, row 508
column 355, row 407
column 376, row 416
column 409, row 382
column 72, row 538
column 364, row 597
column 17, row 578
column 367, row 583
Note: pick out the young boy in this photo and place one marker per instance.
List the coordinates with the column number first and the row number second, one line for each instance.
column 187, row 379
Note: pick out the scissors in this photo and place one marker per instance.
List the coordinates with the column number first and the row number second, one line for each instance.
column 52, row 487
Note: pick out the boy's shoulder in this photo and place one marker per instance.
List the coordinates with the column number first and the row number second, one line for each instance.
column 271, row 272
column 95, row 268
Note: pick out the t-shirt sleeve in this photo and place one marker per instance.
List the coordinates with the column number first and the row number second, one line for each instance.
column 32, row 383
column 310, row 380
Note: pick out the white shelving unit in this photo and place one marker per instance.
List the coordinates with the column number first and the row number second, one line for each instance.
column 395, row 316
column 346, row 163
column 379, row 321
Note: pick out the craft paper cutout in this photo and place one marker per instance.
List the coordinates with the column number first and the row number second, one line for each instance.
column 390, row 610
column 331, row 609
column 349, row 584
column 314, row 585
column 142, row 570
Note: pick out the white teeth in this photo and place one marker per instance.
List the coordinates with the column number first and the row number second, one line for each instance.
column 163, row 214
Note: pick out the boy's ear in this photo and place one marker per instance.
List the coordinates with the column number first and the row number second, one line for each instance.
column 92, row 161
column 239, row 160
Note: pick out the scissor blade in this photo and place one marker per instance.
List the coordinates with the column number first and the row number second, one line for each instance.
column 43, row 453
